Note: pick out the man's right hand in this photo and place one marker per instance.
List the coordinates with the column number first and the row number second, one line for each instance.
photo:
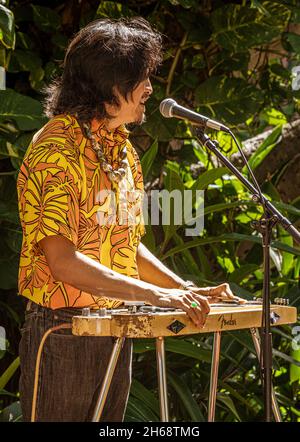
column 183, row 299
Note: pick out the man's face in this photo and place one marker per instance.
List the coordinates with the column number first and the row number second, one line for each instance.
column 133, row 110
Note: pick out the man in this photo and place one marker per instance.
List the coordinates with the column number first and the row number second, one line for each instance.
column 72, row 255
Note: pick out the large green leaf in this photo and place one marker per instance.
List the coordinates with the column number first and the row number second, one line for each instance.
column 265, row 148
column 139, row 391
column 243, row 338
column 295, row 369
column 149, row 238
column 23, row 141
column 6, row 393
column 220, row 207
column 187, row 348
column 180, row 346
column 242, row 272
column 11, row 413
column 288, row 207
column 187, row 256
column 7, row 28
column 228, row 402
column 9, row 372
column 238, row 28
column 186, row 397
column 271, row 116
column 229, row 237
column 7, row 150
column 23, row 60
column 286, row 357
column 137, row 411
column 231, row 100
column 242, row 399
column 148, row 158
column 172, row 203
column 172, row 182
column 24, row 110
column 208, row 177
column 46, row 19
column 294, row 40
column 287, row 258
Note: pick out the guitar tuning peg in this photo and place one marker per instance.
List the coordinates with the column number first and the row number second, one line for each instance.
column 281, row 301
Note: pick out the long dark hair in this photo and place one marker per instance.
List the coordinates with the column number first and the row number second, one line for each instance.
column 103, row 55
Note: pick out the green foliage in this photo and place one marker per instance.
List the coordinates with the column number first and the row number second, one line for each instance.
column 148, row 159
column 233, row 63
column 8, row 374
column 265, row 148
column 232, row 99
column 7, row 31
column 24, row 111
column 237, row 28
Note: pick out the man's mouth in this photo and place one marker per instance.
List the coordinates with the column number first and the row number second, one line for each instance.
column 144, row 99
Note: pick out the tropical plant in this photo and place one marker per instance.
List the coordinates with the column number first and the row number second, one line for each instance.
column 231, row 61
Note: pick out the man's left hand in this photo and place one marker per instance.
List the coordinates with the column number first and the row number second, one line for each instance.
column 218, row 293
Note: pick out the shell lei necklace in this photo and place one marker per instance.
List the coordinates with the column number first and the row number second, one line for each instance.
column 114, row 175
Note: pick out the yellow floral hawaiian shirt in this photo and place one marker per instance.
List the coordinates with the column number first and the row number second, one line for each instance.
column 63, row 191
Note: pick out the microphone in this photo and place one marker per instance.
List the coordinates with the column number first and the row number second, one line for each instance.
column 169, row 108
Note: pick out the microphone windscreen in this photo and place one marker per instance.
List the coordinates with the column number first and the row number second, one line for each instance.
column 166, row 106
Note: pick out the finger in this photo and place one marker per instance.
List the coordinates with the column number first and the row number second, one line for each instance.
column 224, row 297
column 194, row 314
column 213, row 299
column 228, row 291
column 222, row 291
column 200, row 299
column 204, row 304
column 240, row 300
column 202, row 308
column 204, row 291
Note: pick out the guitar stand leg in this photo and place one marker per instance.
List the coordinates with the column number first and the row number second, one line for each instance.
column 162, row 379
column 108, row 378
column 214, row 377
column 256, row 342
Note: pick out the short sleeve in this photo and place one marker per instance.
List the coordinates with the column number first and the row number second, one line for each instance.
column 49, row 194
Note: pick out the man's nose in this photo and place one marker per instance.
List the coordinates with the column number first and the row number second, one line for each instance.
column 148, row 87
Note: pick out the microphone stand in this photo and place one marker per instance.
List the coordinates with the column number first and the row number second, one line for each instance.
column 270, row 218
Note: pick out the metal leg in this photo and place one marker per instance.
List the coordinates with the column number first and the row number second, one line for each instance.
column 162, row 379
column 256, row 342
column 214, row 377
column 108, row 378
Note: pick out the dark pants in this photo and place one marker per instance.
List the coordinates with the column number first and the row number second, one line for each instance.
column 71, row 371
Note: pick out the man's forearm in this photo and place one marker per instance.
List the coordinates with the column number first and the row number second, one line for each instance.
column 92, row 277
column 153, row 271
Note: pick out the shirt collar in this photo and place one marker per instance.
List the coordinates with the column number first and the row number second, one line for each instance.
column 116, row 135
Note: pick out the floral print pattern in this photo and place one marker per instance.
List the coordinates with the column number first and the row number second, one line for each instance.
column 63, row 191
